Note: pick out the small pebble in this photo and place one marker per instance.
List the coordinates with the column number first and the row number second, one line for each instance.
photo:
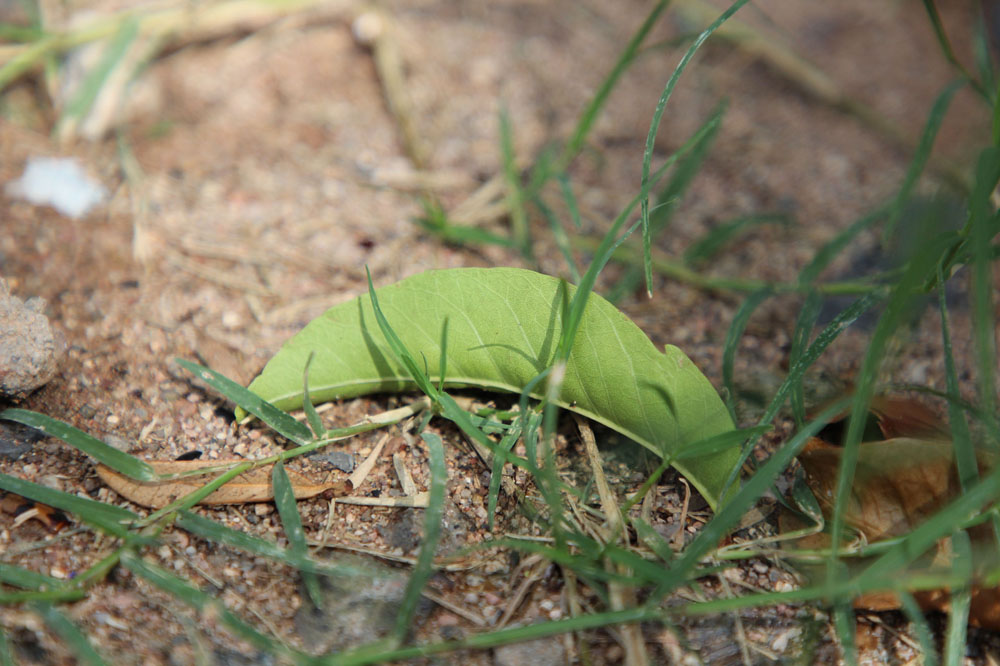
column 367, row 28
column 28, row 349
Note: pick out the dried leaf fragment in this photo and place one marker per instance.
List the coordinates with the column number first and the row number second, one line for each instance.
column 900, row 482
column 24, row 510
column 251, row 486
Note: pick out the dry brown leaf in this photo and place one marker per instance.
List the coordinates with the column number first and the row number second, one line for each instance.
column 24, row 510
column 898, row 483
column 251, row 486
column 905, row 417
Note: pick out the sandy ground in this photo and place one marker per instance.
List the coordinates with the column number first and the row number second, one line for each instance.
column 257, row 174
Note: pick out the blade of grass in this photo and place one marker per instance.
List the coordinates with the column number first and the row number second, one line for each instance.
column 720, row 442
column 560, row 237
column 602, row 255
column 920, row 265
column 985, row 67
column 985, row 225
column 835, row 246
column 432, row 534
column 402, row 354
column 195, row 496
column 920, row 628
column 315, row 423
column 804, row 324
column 567, row 192
column 921, row 155
column 215, row 532
column 495, row 638
column 593, row 109
column 447, row 405
column 709, row 245
column 26, row 578
column 947, row 50
column 654, row 127
column 965, row 453
column 795, row 373
column 652, row 539
column 282, row 423
column 80, row 104
column 288, row 510
column 103, row 453
column 443, row 366
column 506, row 443
column 105, row 517
column 843, row 625
column 75, row 639
column 733, row 335
column 667, row 199
column 205, row 603
column 515, row 192
column 435, row 220
column 6, row 658
column 961, row 598
column 755, row 487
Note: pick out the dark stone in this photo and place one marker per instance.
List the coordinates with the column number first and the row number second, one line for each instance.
column 17, row 439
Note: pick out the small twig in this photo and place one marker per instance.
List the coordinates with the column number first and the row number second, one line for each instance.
column 741, row 634
column 375, row 29
column 325, row 534
column 405, row 480
column 622, row 596
column 441, row 564
column 418, row 501
column 522, row 591
column 224, row 278
column 361, row 473
column 682, row 519
column 183, row 23
column 474, row 618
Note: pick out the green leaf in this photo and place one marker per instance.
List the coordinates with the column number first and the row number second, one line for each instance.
column 503, row 330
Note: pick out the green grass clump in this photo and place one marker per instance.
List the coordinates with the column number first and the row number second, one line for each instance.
column 653, row 569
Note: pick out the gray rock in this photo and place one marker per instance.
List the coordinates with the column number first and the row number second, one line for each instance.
column 340, row 459
column 541, row 652
column 28, row 349
column 355, row 610
column 17, row 439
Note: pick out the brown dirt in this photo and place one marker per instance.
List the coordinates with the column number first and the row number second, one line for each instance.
column 269, row 179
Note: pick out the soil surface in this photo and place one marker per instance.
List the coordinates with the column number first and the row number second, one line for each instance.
column 255, row 174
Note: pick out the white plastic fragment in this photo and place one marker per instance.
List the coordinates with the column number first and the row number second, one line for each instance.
column 58, row 182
